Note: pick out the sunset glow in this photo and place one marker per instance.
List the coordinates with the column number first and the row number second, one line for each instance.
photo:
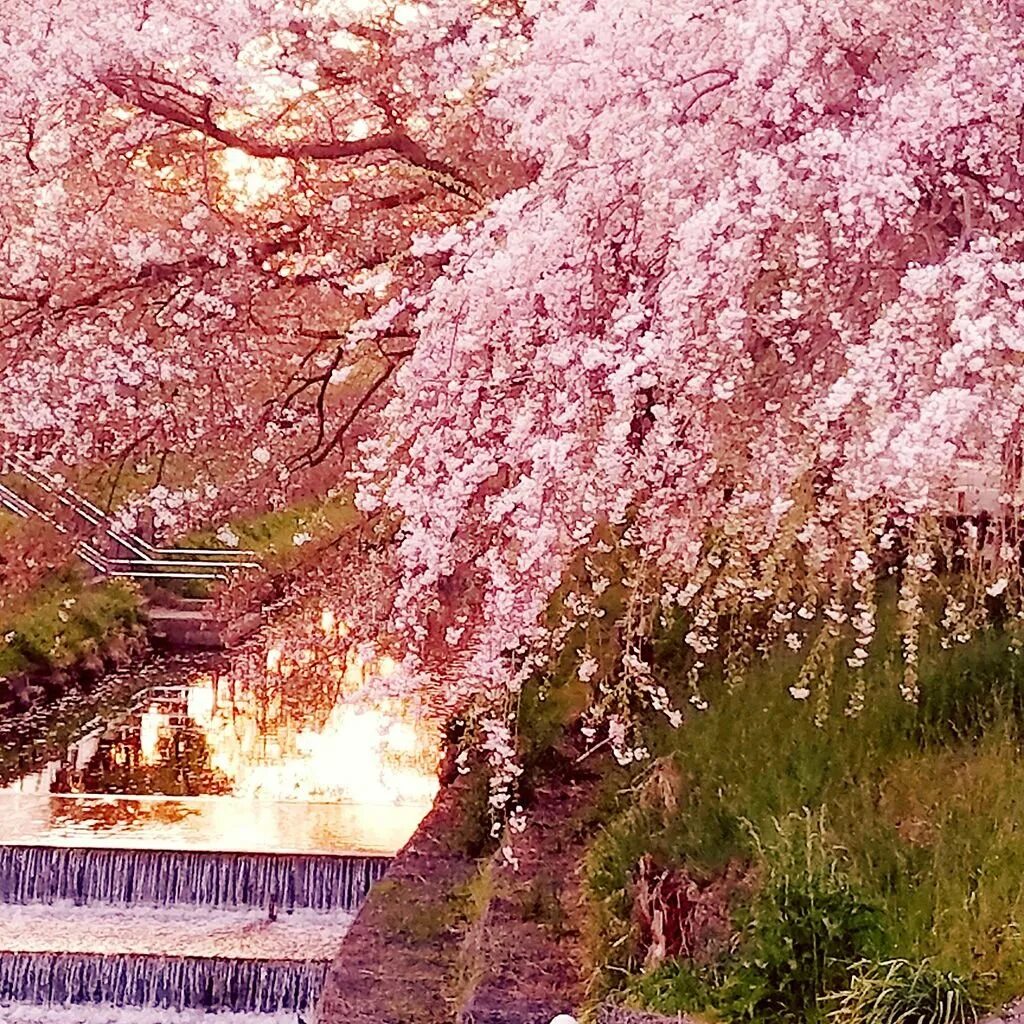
column 252, row 180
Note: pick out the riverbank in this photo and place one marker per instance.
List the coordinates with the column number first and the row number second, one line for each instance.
column 790, row 853
column 456, row 933
column 61, row 649
column 779, row 857
column 62, row 638
column 62, row 622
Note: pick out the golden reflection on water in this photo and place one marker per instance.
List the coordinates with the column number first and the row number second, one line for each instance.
column 222, row 824
column 268, row 747
column 232, row 761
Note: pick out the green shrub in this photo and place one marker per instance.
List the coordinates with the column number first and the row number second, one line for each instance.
column 806, row 928
column 471, row 832
column 901, row 992
column 678, row 987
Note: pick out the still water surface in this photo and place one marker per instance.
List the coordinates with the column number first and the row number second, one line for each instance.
column 171, row 931
column 213, row 824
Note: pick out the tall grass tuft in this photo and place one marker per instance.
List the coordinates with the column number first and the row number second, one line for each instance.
column 923, row 806
column 807, row 926
column 901, row 992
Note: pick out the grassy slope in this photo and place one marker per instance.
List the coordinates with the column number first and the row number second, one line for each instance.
column 57, row 621
column 272, row 534
column 922, row 809
column 53, row 626
column 60, row 620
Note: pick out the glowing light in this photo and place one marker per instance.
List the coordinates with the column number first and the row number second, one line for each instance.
column 201, row 700
column 274, row 660
column 354, row 675
column 251, row 179
column 328, row 623
column 402, row 737
column 152, row 724
column 364, row 752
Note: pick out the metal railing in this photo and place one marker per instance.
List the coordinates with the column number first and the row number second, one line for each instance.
column 146, row 562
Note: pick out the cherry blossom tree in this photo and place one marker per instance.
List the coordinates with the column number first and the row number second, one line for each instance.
column 756, row 311
column 202, row 202
column 708, row 304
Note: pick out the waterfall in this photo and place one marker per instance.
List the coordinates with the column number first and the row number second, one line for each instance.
column 164, row 982
column 43, row 874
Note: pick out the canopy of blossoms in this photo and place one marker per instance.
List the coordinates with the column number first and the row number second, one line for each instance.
column 713, row 302
column 201, row 202
column 754, row 318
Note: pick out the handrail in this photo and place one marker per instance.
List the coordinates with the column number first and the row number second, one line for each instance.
column 90, row 554
column 145, row 566
column 13, row 502
column 34, row 473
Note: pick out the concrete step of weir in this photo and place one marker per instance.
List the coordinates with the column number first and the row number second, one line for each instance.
column 244, row 933
column 197, row 624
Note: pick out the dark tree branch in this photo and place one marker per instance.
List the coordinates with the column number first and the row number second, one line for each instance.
column 138, row 91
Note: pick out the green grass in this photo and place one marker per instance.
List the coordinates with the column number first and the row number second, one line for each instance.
column 271, row 535
column 53, row 625
column 921, row 808
column 901, row 992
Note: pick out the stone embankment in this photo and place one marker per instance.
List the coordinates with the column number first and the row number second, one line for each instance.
column 199, row 624
column 454, row 934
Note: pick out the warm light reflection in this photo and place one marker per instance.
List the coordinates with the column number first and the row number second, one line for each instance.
column 201, row 700
column 301, row 754
column 152, row 724
column 251, row 179
column 328, row 623
column 370, row 752
column 274, row 659
column 331, row 625
column 223, row 824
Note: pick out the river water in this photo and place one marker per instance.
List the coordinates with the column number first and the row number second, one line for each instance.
column 206, row 850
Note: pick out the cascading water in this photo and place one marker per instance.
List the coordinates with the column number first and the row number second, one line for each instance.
column 194, row 855
column 43, row 874
column 177, row 983
column 115, row 928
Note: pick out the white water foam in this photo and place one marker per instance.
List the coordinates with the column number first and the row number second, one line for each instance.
column 172, row 931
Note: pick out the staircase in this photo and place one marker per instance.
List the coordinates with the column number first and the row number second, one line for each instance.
column 29, row 492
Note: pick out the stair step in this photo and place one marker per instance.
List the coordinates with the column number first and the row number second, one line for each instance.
column 198, row 627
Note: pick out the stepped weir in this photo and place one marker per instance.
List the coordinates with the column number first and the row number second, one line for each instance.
column 44, row 874
column 162, row 982
column 174, row 930
column 182, row 860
